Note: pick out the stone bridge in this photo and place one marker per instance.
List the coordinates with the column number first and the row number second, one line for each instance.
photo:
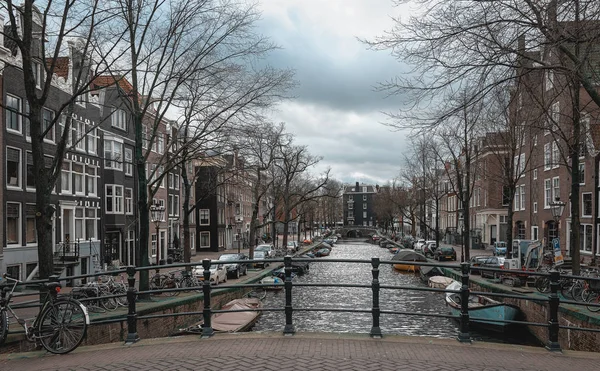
column 356, row 231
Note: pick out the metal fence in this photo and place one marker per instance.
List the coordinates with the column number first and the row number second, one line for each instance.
column 552, row 299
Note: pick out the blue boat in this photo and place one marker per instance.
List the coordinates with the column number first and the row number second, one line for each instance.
column 483, row 310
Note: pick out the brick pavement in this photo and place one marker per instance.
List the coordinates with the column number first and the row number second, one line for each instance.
column 303, row 351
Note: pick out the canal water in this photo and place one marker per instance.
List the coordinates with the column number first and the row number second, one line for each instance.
column 417, row 302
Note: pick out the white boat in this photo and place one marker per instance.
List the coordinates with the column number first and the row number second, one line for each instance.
column 439, row 282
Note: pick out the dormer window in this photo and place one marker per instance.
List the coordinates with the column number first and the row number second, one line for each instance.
column 119, row 119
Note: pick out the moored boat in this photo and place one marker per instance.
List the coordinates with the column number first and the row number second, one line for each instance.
column 276, row 283
column 405, row 260
column 483, row 310
column 439, row 282
column 231, row 321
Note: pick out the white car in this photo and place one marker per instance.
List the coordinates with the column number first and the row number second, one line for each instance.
column 292, row 246
column 267, row 248
column 218, row 273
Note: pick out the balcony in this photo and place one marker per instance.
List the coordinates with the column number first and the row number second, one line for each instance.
column 66, row 252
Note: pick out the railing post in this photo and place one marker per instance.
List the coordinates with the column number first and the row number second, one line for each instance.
column 375, row 310
column 207, row 330
column 132, row 335
column 289, row 325
column 553, row 303
column 463, row 335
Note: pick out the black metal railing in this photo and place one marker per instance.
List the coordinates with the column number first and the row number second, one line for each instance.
column 67, row 251
column 461, row 271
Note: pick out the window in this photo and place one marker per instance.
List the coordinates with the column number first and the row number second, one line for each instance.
column 547, row 193
column 14, row 271
column 505, row 197
column 92, row 139
column 586, row 210
column 61, row 125
column 350, row 205
column 161, row 143
column 154, row 239
column 365, row 206
column 534, row 174
column 79, row 223
column 522, row 191
column 12, row 107
column 90, row 178
column 582, row 174
column 113, row 154
column 547, row 156
column 555, row 155
column 364, row 189
column 517, row 200
column 204, row 216
column 145, row 137
column 520, row 230
column 65, row 177
column 535, row 140
column 535, row 209
column 30, row 228
column 204, row 239
column 585, row 237
column 364, row 214
column 173, row 205
column 549, row 79
column 114, row 199
column 129, row 201
column 555, row 188
column 13, row 223
column 519, row 165
column 78, row 178
column 128, row 162
column 118, row 119
column 364, row 197
column 78, row 131
column 47, row 120
column 13, row 167
column 170, row 181
column 37, row 74
column 555, row 116
column 91, row 231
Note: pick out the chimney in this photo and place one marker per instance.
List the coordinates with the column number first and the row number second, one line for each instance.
column 357, row 187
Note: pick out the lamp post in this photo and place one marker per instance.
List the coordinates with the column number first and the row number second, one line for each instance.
column 461, row 226
column 157, row 213
column 557, row 207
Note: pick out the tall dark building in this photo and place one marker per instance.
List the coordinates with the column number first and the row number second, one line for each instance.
column 358, row 204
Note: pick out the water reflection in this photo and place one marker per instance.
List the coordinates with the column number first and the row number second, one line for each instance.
column 360, row 298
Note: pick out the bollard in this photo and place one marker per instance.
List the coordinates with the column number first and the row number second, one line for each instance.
column 132, row 335
column 375, row 310
column 207, row 330
column 463, row 335
column 289, row 325
column 553, row 303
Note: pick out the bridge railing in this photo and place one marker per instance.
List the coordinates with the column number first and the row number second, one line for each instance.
column 552, row 300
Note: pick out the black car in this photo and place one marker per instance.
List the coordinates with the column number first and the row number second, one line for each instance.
column 235, row 270
column 444, row 253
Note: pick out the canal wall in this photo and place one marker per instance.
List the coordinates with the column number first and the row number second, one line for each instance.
column 537, row 311
column 146, row 328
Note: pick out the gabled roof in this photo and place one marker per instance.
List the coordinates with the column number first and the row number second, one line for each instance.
column 108, row 80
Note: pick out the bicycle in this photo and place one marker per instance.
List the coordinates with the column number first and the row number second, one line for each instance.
column 61, row 325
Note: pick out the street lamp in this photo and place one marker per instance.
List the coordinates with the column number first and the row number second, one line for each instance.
column 461, row 226
column 557, row 207
column 157, row 213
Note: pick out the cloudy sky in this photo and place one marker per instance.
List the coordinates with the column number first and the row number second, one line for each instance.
column 336, row 111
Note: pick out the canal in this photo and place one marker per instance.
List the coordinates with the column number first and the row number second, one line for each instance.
column 360, row 298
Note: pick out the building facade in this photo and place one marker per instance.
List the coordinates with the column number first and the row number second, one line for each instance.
column 358, row 200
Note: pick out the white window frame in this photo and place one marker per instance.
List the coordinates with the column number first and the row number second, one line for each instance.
column 154, row 240
column 92, row 139
column 128, row 163
column 94, row 219
column 94, row 180
column 555, row 155
column 27, row 217
column 581, row 173
column 535, row 207
column 128, row 201
column 555, row 187
column 547, row 193
column 535, row 174
column 19, row 185
column 47, row 122
column 66, row 185
column 113, row 159
column 82, row 178
column 18, row 114
column 204, row 217
column 583, row 215
column 583, row 239
column 547, row 156
column 118, row 119
column 207, row 235
column 522, row 188
column 116, row 200
column 81, row 220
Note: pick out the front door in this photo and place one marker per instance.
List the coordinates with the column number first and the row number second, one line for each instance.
column 112, row 247
column 493, row 232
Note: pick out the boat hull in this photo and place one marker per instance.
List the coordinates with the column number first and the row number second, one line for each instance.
column 406, row 267
column 490, row 315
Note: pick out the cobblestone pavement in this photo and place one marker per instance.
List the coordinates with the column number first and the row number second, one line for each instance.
column 303, row 351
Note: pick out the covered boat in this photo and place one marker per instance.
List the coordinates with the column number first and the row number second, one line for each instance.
column 231, row 321
column 483, row 310
column 405, row 258
column 275, row 282
column 426, row 272
column 439, row 282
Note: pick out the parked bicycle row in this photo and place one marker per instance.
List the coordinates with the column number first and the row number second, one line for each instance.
column 578, row 289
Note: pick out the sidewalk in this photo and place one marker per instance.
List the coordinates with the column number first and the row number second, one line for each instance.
column 303, row 351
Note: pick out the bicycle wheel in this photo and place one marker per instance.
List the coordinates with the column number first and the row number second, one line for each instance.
column 542, row 284
column 107, row 303
column 3, row 326
column 170, row 284
column 593, row 298
column 62, row 326
column 122, row 299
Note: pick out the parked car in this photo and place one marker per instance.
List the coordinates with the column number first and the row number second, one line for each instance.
column 475, row 262
column 500, row 248
column 235, row 269
column 218, row 273
column 417, row 245
column 491, row 262
column 420, row 247
column 268, row 248
column 375, row 238
column 260, row 257
column 292, row 246
column 444, row 253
